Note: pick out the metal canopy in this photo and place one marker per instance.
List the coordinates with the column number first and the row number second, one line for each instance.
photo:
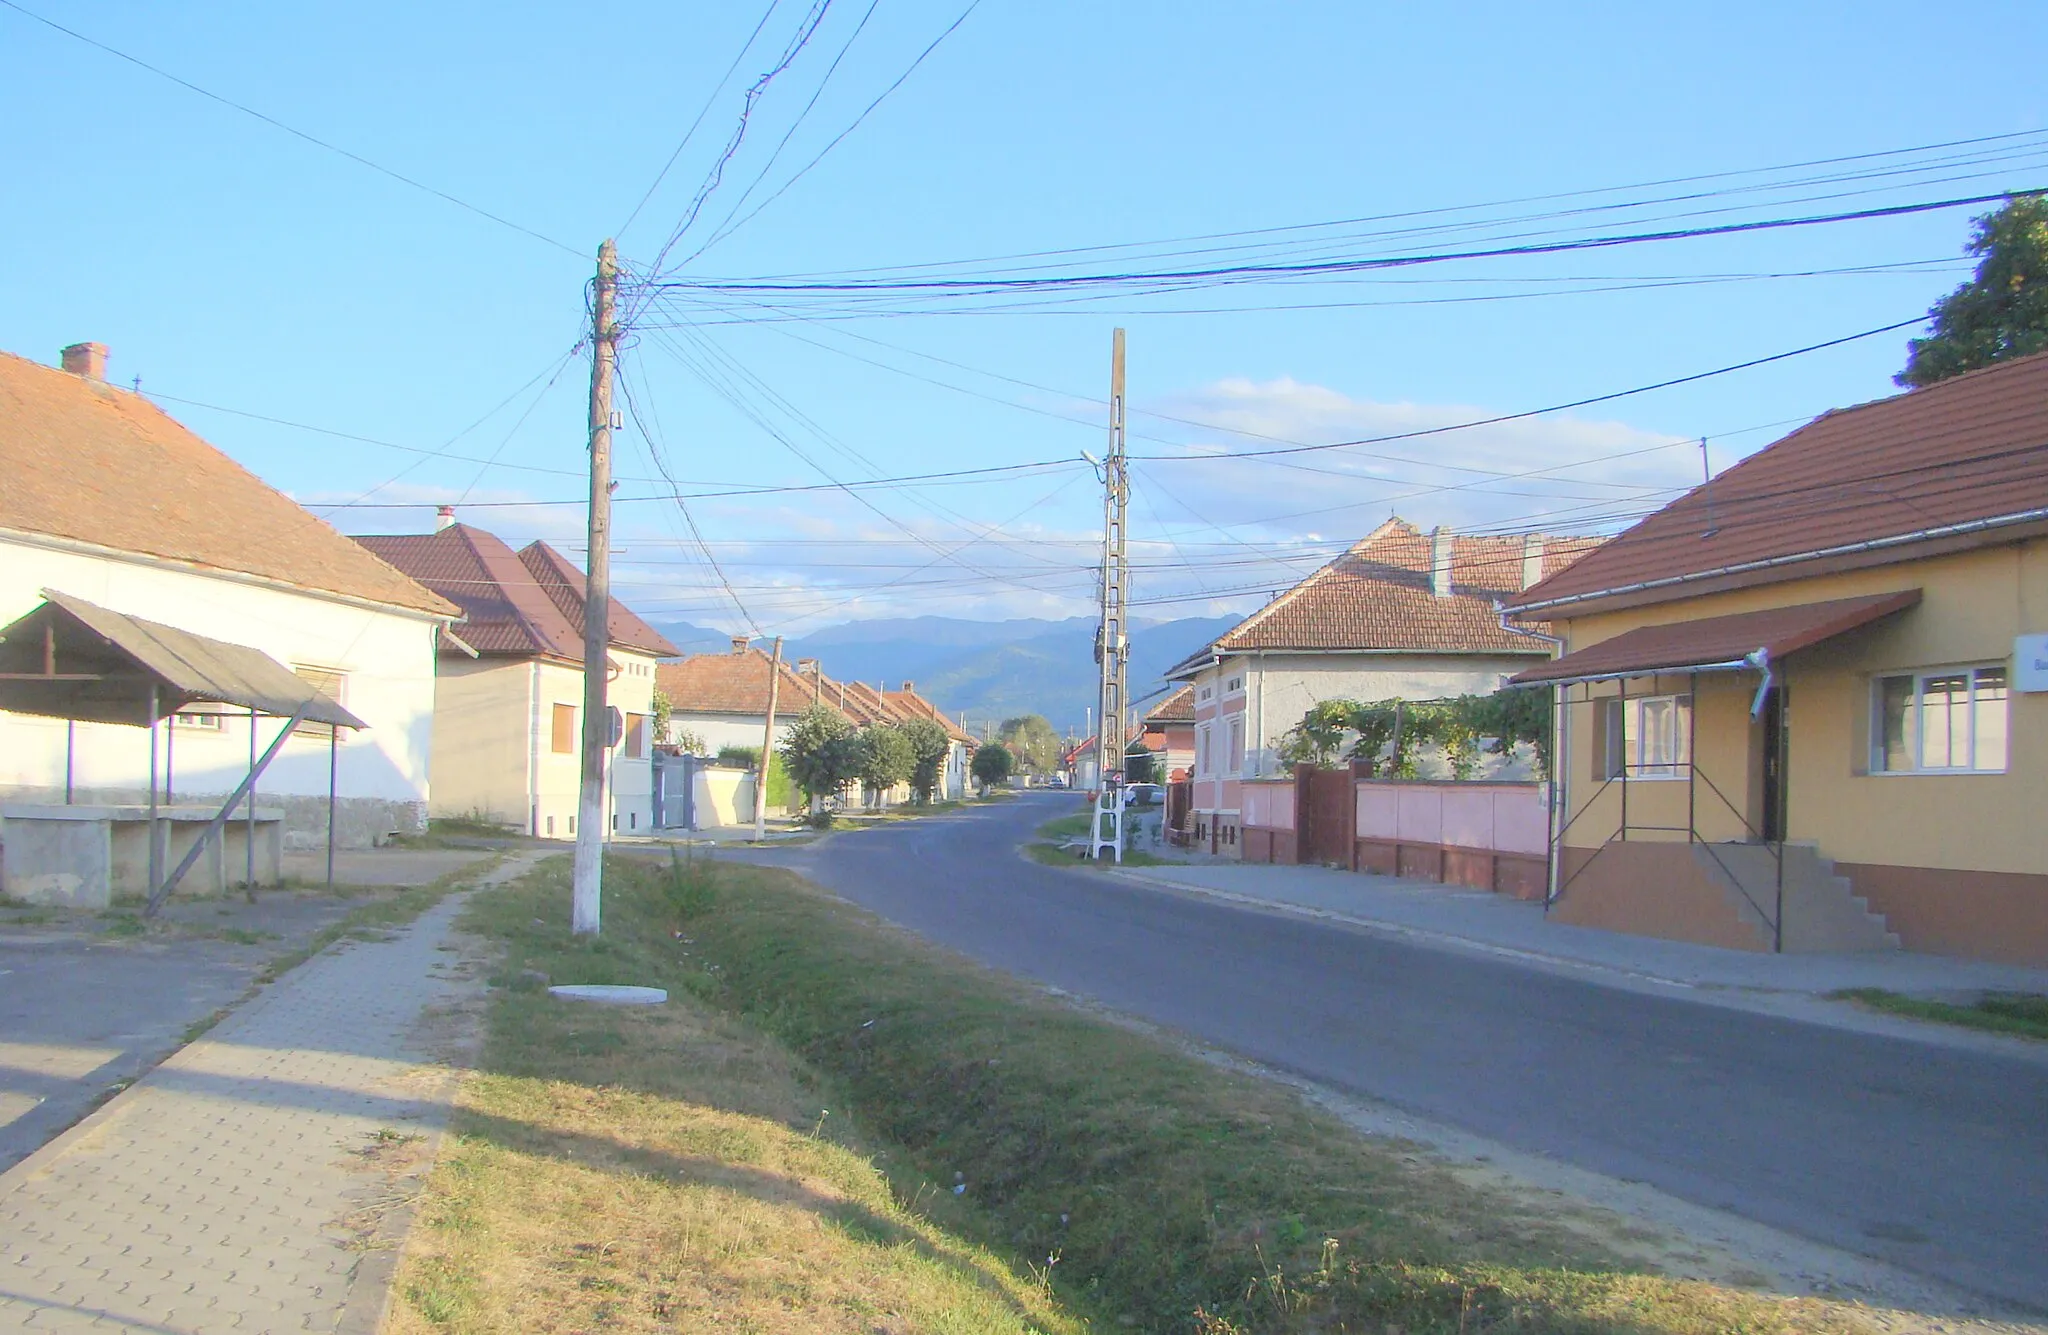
column 71, row 659
column 1744, row 641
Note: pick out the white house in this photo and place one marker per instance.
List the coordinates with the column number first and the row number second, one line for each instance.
column 508, row 708
column 103, row 496
column 1401, row 615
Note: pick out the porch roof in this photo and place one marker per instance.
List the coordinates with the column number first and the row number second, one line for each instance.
column 1745, row 640
column 71, row 659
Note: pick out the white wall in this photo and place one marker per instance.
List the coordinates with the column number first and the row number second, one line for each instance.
column 1280, row 688
column 720, row 730
column 387, row 656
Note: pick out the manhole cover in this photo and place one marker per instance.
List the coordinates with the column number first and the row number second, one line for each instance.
column 611, row 994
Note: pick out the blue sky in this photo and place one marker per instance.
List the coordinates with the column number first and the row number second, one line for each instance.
column 230, row 264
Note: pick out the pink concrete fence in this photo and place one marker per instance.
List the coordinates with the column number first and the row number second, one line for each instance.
column 1492, row 836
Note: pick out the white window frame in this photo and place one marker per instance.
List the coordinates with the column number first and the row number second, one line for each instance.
column 1916, row 733
column 1236, row 753
column 331, row 680
column 1630, row 738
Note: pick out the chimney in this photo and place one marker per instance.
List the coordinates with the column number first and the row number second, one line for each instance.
column 909, row 687
column 739, row 644
column 1440, row 561
column 88, row 360
column 444, row 518
column 806, row 667
column 1532, row 558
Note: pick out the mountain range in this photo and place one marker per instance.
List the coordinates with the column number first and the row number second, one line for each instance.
column 985, row 670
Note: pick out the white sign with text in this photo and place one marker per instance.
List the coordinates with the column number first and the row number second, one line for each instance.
column 2030, row 662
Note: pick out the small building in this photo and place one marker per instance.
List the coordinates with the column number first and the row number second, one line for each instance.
column 107, row 499
column 1401, row 615
column 1169, row 733
column 1805, row 706
column 508, row 697
column 722, row 699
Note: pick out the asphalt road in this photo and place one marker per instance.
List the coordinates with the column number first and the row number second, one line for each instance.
column 1932, row 1158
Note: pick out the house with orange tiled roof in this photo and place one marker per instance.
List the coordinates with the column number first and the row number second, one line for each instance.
column 1805, row 706
column 107, row 498
column 1168, row 732
column 1401, row 614
column 508, row 699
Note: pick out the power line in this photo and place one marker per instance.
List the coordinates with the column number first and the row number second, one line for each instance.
column 702, row 112
column 780, row 190
column 1260, row 272
column 293, row 131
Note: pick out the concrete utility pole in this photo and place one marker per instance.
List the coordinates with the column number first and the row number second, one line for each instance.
column 767, row 745
column 597, row 601
column 1112, row 645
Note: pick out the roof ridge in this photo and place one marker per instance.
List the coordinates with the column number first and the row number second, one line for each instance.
column 1270, row 609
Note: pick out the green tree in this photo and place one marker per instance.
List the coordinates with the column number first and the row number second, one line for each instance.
column 1032, row 742
column 2000, row 313
column 821, row 752
column 929, row 745
column 1141, row 764
column 992, row 765
column 886, row 759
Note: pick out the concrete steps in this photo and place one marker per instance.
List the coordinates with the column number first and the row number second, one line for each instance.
column 1823, row 912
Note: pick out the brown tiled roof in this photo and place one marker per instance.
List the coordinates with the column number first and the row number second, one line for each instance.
column 80, row 459
column 515, row 603
column 1961, row 451
column 1377, row 596
column 737, row 684
column 563, row 583
column 1176, row 708
column 1777, row 631
column 910, row 704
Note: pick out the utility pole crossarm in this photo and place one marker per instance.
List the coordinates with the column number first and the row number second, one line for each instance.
column 597, row 601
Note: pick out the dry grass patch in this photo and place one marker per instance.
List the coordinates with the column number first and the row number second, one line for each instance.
column 668, row 1169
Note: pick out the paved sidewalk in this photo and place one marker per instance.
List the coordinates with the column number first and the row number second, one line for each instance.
column 242, row 1185
column 1478, row 919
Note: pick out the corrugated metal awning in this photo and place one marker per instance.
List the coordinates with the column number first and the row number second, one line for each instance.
column 1717, row 644
column 71, row 659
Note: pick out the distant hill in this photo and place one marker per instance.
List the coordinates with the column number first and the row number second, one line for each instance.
column 984, row 669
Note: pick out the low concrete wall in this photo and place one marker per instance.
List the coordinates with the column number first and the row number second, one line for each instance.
column 1984, row 915
column 359, row 822
column 1650, row 889
column 1490, row 836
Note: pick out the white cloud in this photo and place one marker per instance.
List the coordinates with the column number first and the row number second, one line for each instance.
column 1575, row 469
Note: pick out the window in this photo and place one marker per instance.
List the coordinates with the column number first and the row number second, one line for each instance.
column 330, row 682
column 1234, row 685
column 635, row 740
column 1939, row 722
column 206, row 720
column 1648, row 737
column 1202, row 759
column 1237, row 745
column 565, row 730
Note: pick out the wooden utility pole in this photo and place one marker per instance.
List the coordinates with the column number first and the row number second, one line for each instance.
column 597, row 601
column 767, row 745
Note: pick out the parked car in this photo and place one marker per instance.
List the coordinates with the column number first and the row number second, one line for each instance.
column 1056, row 781
column 1144, row 795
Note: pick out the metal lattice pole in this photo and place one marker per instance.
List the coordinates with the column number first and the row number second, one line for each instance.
column 1112, row 646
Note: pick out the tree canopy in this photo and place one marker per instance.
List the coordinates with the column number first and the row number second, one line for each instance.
column 822, row 752
column 929, row 744
column 1999, row 314
column 1032, row 742
column 886, row 757
column 992, row 765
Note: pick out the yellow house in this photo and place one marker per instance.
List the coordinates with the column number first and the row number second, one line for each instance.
column 508, row 686
column 1805, row 707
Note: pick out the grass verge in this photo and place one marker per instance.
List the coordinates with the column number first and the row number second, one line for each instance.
column 1047, row 844
column 993, row 1159
column 2021, row 1013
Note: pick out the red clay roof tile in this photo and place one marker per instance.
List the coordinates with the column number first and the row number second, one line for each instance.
column 86, row 461
column 1964, row 450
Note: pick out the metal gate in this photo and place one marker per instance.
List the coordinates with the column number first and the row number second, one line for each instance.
column 1328, row 813
column 675, row 791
